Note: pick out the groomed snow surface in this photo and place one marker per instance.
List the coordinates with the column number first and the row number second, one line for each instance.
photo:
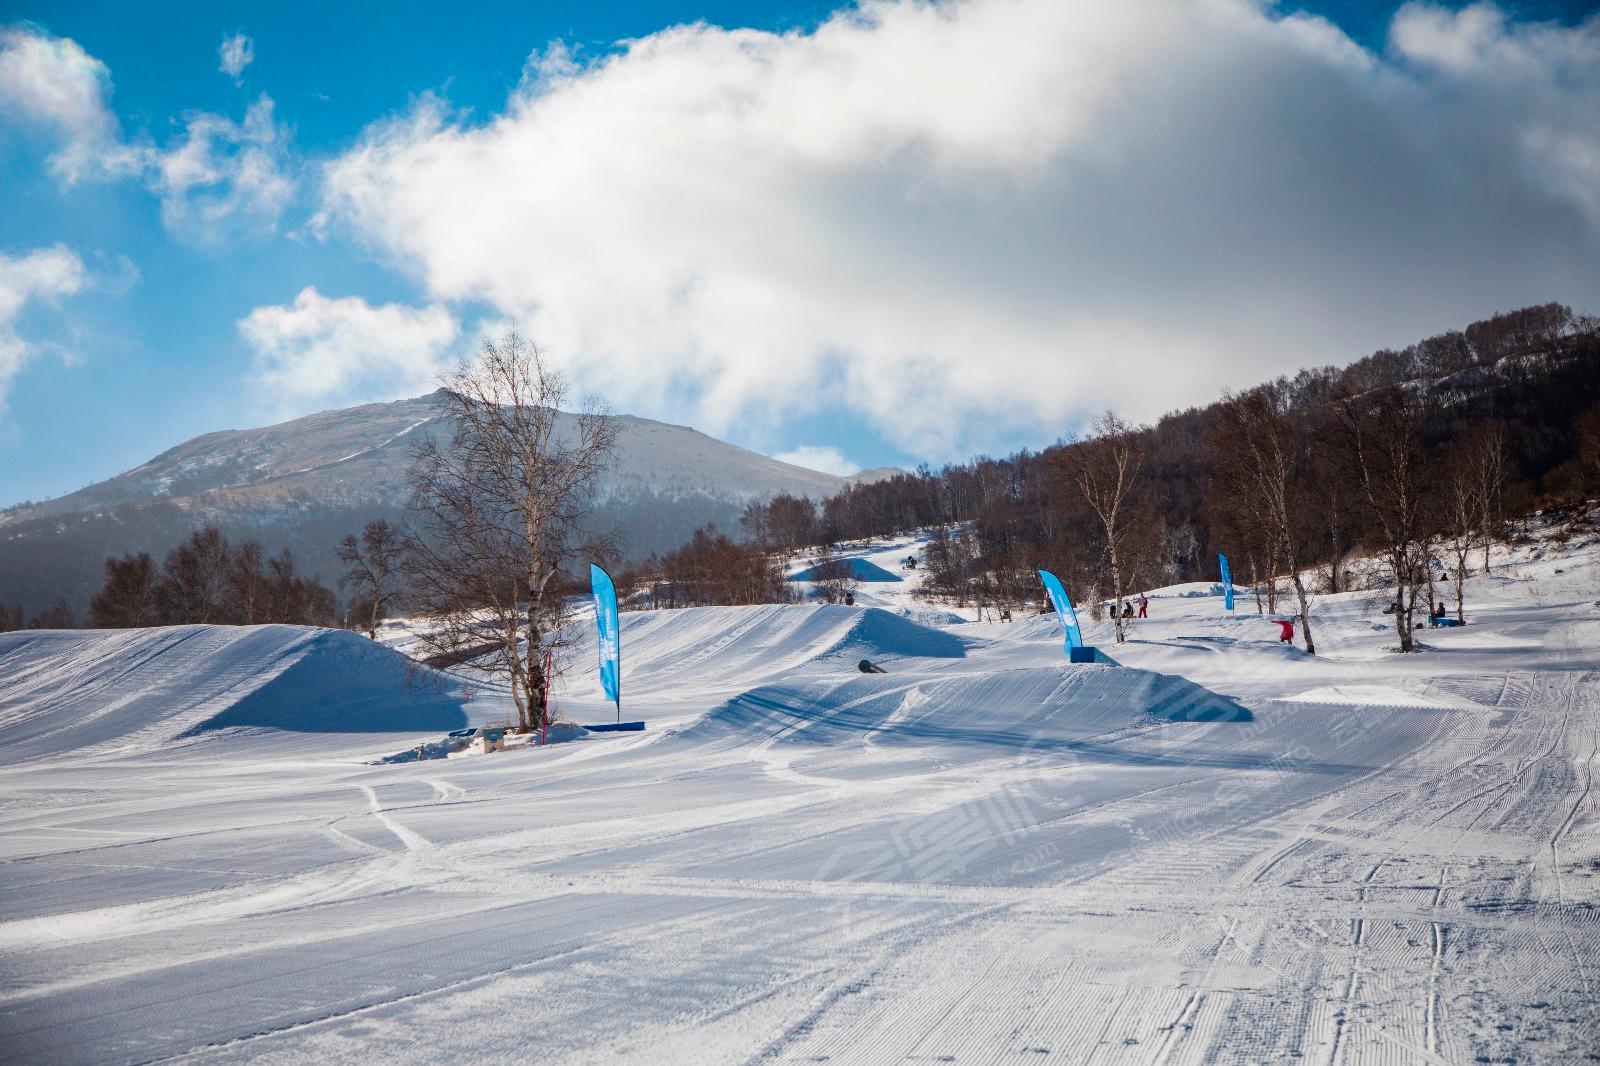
column 1219, row 850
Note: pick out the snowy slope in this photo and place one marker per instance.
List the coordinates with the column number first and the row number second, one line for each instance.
column 981, row 855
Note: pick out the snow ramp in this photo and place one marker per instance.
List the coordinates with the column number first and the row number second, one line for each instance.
column 739, row 646
column 128, row 691
column 1036, row 708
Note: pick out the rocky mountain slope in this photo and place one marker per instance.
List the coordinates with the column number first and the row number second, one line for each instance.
column 305, row 483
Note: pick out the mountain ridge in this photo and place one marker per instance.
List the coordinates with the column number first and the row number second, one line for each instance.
column 305, row 482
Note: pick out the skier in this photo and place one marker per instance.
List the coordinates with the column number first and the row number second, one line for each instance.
column 867, row 666
column 1285, row 630
column 1144, row 606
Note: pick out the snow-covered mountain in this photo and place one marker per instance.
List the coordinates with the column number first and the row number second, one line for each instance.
column 360, row 454
column 306, row 482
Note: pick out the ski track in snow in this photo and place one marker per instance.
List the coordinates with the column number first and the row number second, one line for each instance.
column 982, row 855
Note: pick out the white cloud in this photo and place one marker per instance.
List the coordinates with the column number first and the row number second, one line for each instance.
column 52, row 83
column 236, row 53
column 1541, row 79
column 828, row 459
column 215, row 179
column 42, row 274
column 322, row 351
column 223, row 176
column 965, row 222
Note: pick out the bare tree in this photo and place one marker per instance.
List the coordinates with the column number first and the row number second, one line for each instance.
column 498, row 511
column 371, row 566
column 192, row 589
column 1586, row 428
column 791, row 522
column 1464, row 515
column 1106, row 470
column 1491, row 462
column 1257, row 454
column 294, row 600
column 1379, row 439
column 128, row 598
column 58, row 615
column 832, row 576
column 246, row 583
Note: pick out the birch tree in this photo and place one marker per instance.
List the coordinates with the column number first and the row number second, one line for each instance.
column 371, row 565
column 1257, row 446
column 498, row 511
column 1379, row 438
column 1106, row 469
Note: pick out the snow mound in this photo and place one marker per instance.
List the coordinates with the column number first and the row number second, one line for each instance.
column 736, row 648
column 876, row 632
column 130, row 691
column 1364, row 695
column 859, row 570
column 1036, row 708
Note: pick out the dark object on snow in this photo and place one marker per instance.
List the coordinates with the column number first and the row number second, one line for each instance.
column 867, row 666
column 1005, row 614
column 615, row 727
column 849, row 599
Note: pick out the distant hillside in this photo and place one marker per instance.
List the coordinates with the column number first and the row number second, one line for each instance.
column 303, row 484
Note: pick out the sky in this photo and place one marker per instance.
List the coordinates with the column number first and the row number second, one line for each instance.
column 884, row 233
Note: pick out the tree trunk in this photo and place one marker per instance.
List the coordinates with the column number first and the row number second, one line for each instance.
column 1116, row 588
column 1402, row 613
column 1427, row 565
column 1305, row 612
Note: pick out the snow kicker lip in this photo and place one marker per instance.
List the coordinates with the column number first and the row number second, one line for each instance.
column 884, row 633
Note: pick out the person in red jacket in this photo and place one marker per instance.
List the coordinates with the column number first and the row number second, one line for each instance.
column 1285, row 630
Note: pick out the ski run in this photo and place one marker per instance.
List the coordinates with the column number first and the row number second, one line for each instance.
column 1218, row 849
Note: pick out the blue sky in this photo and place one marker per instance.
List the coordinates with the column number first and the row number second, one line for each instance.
column 877, row 238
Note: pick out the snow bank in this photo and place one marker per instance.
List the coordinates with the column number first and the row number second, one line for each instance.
column 128, row 691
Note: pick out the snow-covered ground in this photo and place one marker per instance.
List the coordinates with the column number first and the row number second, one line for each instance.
column 1219, row 850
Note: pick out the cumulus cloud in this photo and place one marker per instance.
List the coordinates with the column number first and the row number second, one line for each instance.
column 45, row 274
column 216, row 178
column 322, row 351
column 221, row 176
column 828, row 459
column 52, row 83
column 975, row 222
column 236, row 53
column 1540, row 79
